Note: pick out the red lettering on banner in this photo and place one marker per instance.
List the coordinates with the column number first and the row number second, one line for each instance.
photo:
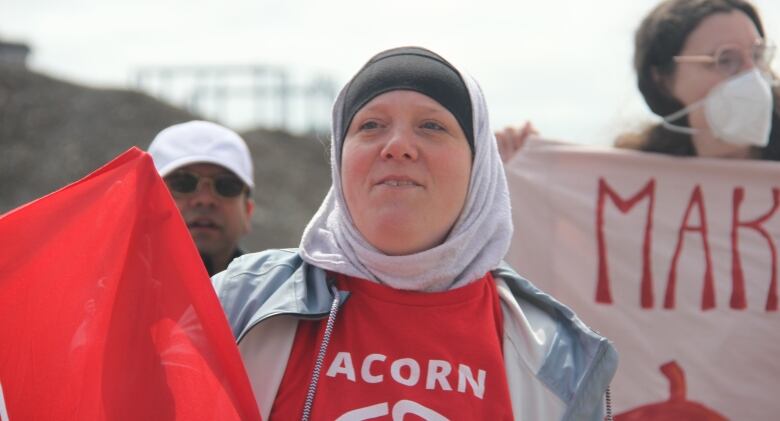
column 603, row 290
column 708, row 292
column 738, row 300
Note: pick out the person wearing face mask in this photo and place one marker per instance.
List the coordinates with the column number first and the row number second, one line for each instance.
column 397, row 301
column 704, row 67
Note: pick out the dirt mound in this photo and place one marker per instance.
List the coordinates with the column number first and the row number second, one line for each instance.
column 292, row 176
column 54, row 132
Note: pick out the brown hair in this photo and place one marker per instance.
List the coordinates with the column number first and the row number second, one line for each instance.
column 660, row 37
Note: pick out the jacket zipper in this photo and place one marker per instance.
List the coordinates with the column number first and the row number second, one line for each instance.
column 315, row 377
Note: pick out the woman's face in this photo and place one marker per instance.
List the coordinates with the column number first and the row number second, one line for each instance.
column 405, row 172
column 692, row 81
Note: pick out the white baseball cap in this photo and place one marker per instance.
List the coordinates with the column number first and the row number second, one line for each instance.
column 201, row 142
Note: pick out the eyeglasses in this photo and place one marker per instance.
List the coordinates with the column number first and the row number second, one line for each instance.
column 226, row 185
column 730, row 59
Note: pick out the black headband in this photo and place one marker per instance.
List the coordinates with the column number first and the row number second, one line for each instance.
column 414, row 69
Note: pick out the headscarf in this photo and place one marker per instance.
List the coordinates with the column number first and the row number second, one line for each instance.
column 476, row 243
column 409, row 68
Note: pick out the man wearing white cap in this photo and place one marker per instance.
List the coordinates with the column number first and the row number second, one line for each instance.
column 208, row 170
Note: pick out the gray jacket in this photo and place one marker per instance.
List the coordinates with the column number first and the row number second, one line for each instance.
column 557, row 368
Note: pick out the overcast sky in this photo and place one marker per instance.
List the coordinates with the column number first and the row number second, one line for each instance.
column 563, row 64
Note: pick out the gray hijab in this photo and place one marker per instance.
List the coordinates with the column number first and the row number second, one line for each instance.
column 475, row 245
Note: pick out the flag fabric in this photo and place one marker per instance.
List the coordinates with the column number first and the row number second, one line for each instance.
column 106, row 310
column 674, row 259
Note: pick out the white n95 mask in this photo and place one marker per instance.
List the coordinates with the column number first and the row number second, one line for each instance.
column 738, row 110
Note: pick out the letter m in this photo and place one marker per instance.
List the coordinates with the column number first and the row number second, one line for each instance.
column 603, row 288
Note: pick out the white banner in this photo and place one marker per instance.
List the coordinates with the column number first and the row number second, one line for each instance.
column 673, row 259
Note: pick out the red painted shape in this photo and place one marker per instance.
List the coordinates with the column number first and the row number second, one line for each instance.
column 708, row 292
column 603, row 290
column 676, row 376
column 677, row 407
column 738, row 300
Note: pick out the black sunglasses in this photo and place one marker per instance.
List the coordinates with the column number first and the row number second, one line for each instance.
column 226, row 185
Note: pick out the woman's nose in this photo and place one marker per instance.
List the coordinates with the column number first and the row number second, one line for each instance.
column 400, row 144
column 748, row 63
column 751, row 59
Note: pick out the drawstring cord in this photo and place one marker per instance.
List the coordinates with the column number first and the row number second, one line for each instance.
column 608, row 403
column 315, row 377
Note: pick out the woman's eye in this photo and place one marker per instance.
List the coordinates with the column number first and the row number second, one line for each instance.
column 729, row 61
column 369, row 125
column 432, row 125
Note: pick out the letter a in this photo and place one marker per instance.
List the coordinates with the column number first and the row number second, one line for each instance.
column 708, row 290
column 342, row 364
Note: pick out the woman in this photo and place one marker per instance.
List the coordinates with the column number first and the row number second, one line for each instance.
column 397, row 301
column 703, row 66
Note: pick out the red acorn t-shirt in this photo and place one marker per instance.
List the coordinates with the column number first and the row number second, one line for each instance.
column 394, row 353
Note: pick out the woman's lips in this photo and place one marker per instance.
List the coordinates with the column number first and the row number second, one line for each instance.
column 398, row 181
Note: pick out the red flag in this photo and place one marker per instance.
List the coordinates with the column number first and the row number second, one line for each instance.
column 106, row 311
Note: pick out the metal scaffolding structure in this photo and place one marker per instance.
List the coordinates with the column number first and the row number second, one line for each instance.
column 244, row 96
